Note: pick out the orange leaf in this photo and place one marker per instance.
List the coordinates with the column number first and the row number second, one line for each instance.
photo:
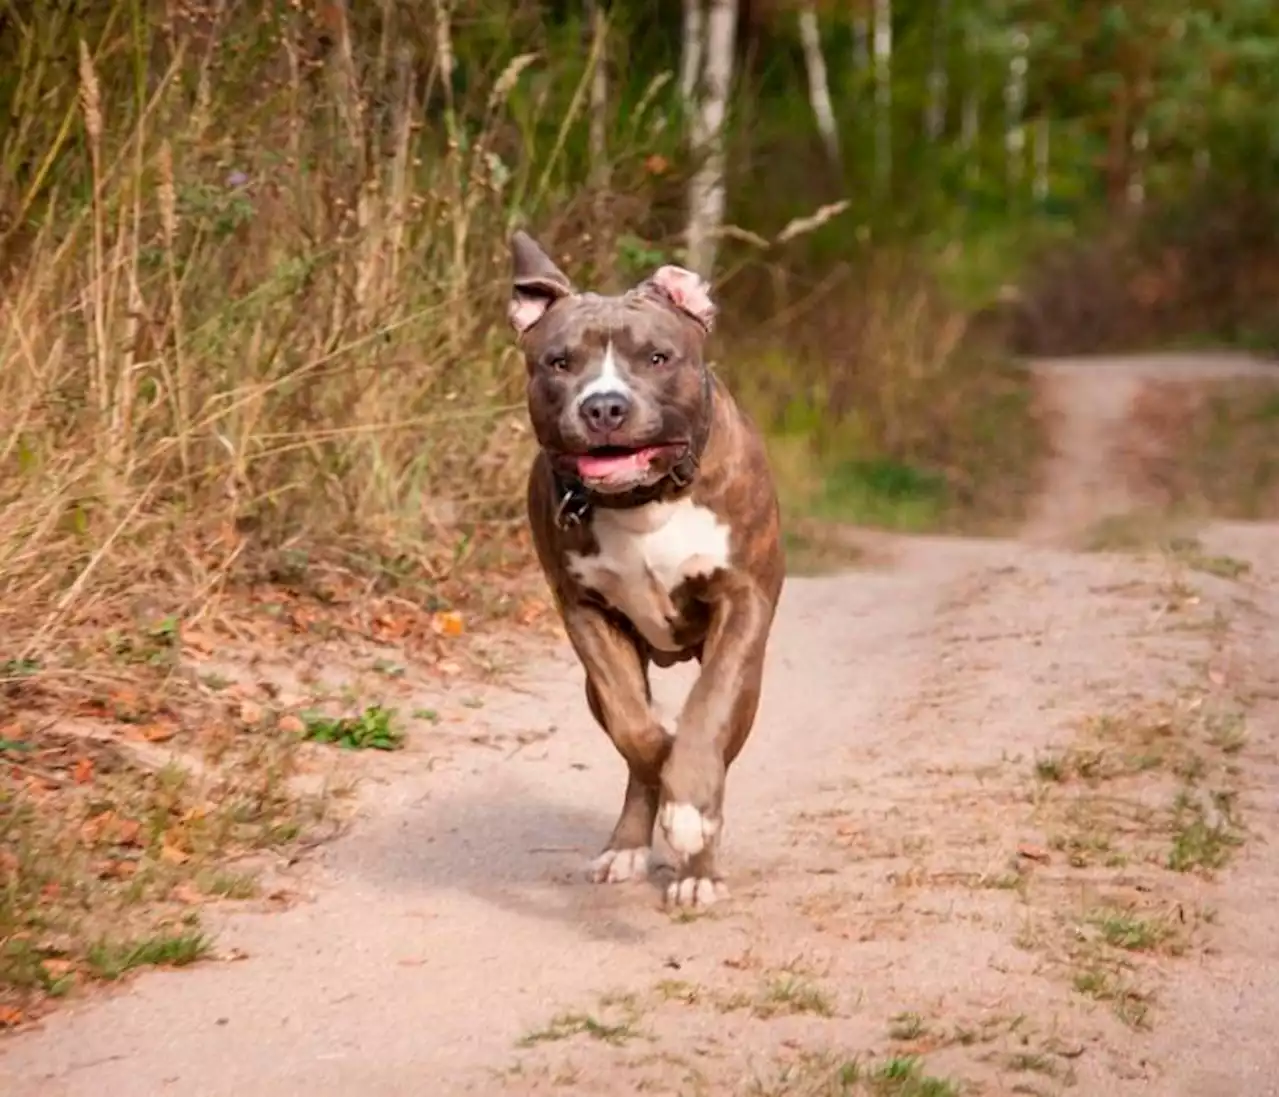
column 83, row 772
column 58, row 968
column 447, row 623
column 159, row 732
column 291, row 724
column 172, row 855
column 10, row 1016
column 117, row 870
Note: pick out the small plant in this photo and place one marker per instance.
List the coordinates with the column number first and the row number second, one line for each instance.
column 1130, row 1004
column 373, row 729
column 566, row 1025
column 1126, row 930
column 902, row 1076
column 110, row 960
column 906, row 1026
column 1201, row 840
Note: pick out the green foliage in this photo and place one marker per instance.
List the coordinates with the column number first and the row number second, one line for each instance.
column 372, row 729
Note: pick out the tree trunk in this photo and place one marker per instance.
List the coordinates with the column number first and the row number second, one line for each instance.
column 883, row 45
column 935, row 114
column 707, row 187
column 598, row 151
column 819, row 91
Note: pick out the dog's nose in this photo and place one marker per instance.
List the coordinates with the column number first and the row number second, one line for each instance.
column 605, row 411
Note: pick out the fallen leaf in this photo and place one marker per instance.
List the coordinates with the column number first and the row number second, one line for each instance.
column 1033, row 853
column 172, row 855
column 656, row 164
column 291, row 724
column 250, row 713
column 10, row 1016
column 449, row 668
column 530, row 611
column 117, row 870
column 159, row 732
column 447, row 623
column 51, row 890
column 58, row 968
column 83, row 773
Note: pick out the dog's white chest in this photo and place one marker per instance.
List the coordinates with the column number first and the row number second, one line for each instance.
column 645, row 554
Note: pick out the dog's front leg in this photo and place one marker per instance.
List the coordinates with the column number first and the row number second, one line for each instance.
column 712, row 729
column 618, row 695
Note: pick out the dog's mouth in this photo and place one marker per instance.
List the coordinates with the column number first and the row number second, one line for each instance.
column 620, row 467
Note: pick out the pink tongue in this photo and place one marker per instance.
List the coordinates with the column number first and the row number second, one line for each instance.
column 601, row 468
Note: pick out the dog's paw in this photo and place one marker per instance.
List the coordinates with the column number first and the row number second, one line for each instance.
column 614, row 866
column 695, row 892
column 687, row 829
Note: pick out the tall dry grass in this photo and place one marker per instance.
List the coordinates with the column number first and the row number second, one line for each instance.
column 254, row 302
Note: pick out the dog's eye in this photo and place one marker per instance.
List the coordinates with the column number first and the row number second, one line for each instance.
column 659, row 358
column 558, row 362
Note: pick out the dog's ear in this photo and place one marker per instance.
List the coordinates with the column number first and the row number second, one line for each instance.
column 536, row 283
column 689, row 292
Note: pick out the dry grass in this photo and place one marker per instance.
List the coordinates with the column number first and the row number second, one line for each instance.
column 1207, row 449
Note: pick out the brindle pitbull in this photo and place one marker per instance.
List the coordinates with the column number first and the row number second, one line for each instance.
column 655, row 519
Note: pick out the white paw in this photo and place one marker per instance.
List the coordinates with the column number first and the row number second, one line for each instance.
column 695, row 891
column 687, row 829
column 614, row 866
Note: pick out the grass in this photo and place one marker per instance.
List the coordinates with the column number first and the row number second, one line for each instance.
column 782, row 995
column 827, row 1075
column 1130, row 1005
column 109, row 960
column 565, row 1026
column 1204, row 834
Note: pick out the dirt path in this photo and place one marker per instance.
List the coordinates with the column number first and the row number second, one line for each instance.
column 950, row 838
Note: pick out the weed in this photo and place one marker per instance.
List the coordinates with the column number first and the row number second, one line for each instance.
column 110, row 960
column 1103, row 985
column 567, row 1025
column 373, row 729
column 827, row 1075
column 1126, row 930
column 780, row 995
column 1204, row 835
column 903, row 1076
column 906, row 1026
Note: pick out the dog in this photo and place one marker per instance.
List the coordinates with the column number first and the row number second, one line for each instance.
column 655, row 519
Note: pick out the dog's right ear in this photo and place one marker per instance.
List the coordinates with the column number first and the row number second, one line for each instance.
column 536, row 283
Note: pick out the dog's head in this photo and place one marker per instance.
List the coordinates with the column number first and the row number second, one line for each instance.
column 616, row 387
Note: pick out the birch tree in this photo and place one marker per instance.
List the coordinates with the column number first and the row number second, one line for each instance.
column 883, row 46
column 706, row 105
column 935, row 113
column 819, row 89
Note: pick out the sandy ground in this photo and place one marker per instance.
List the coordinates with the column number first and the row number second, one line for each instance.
column 916, row 870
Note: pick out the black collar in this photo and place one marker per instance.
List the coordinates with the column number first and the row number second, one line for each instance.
column 575, row 501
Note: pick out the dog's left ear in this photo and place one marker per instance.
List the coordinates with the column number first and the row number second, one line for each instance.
column 536, row 283
column 689, row 292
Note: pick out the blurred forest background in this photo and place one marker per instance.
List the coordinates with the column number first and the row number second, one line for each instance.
column 253, row 259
